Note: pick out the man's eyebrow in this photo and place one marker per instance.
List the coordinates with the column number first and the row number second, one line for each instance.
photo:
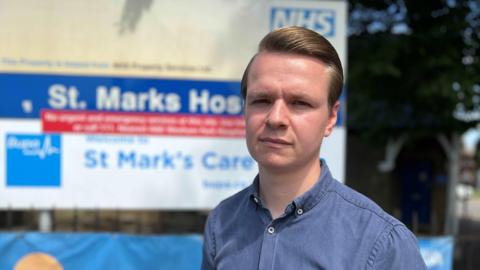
column 300, row 95
column 258, row 94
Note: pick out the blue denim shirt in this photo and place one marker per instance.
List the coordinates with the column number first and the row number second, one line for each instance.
column 329, row 227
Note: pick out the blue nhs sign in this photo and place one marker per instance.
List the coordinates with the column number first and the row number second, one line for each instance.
column 319, row 20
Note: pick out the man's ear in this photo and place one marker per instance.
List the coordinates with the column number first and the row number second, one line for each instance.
column 332, row 118
column 243, row 106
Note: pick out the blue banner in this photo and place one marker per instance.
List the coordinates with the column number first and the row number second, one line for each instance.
column 437, row 252
column 24, row 95
column 80, row 251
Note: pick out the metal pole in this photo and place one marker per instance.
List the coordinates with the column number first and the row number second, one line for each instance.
column 45, row 221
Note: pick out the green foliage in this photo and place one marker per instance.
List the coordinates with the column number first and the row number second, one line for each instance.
column 412, row 65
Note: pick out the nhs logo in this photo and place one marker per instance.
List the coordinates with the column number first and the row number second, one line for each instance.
column 33, row 160
column 319, row 20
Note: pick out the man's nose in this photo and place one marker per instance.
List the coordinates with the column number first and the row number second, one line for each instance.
column 278, row 115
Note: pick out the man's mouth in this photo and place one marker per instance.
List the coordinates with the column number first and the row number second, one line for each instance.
column 274, row 141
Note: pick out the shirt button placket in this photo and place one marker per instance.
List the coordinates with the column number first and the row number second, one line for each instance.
column 267, row 253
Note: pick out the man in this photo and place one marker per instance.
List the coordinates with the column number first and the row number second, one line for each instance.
column 295, row 215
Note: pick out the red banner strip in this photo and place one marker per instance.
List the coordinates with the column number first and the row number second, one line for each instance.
column 89, row 122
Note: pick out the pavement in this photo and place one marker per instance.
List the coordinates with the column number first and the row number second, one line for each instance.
column 472, row 209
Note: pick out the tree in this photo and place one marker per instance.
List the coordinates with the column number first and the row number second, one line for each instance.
column 414, row 71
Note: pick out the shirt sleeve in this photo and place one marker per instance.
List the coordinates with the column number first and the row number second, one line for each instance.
column 208, row 244
column 396, row 249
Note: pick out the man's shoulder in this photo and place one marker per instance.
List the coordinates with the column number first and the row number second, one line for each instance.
column 388, row 236
column 233, row 202
column 360, row 203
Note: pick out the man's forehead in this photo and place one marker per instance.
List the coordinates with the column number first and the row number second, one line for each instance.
column 286, row 55
column 279, row 69
column 279, row 57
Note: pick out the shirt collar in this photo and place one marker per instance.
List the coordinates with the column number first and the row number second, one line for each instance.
column 307, row 200
column 254, row 191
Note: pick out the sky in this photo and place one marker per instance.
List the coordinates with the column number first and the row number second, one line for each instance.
column 470, row 139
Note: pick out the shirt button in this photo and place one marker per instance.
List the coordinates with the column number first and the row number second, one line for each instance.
column 299, row 211
column 271, row 230
column 255, row 199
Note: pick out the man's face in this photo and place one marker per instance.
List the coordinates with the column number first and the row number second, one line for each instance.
column 286, row 110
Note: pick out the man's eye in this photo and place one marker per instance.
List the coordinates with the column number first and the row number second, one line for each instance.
column 301, row 103
column 260, row 101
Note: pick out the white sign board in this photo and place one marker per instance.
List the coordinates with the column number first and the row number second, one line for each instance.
column 135, row 104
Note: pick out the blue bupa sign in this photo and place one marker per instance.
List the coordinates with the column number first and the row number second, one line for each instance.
column 33, row 160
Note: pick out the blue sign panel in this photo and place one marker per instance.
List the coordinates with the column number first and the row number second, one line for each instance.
column 26, row 94
column 33, row 160
column 437, row 252
column 100, row 251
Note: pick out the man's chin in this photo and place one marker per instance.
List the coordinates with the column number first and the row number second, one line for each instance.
column 284, row 163
column 275, row 163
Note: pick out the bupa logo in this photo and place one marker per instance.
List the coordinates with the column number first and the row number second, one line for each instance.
column 37, row 147
column 33, row 160
column 319, row 20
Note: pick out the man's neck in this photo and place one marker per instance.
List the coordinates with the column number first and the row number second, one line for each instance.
column 278, row 189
